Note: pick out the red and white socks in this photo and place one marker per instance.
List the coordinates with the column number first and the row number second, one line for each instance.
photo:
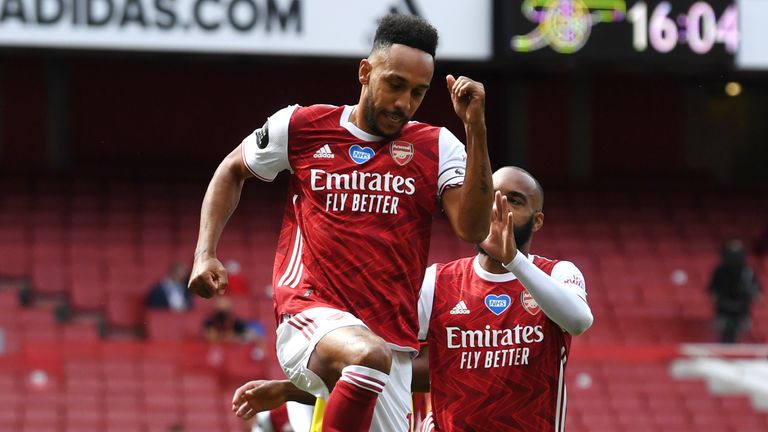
column 351, row 403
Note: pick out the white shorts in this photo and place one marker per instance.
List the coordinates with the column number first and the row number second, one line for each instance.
column 300, row 416
column 296, row 341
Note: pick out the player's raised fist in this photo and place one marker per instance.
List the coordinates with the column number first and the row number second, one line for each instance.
column 468, row 97
column 208, row 278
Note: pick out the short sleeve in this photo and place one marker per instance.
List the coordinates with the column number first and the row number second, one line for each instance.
column 453, row 161
column 265, row 151
column 569, row 275
column 426, row 299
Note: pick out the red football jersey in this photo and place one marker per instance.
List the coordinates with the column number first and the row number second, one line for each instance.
column 500, row 360
column 357, row 223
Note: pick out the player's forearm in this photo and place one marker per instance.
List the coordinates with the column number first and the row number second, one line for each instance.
column 476, row 200
column 293, row 393
column 219, row 203
column 560, row 303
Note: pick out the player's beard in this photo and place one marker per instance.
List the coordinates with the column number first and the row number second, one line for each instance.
column 522, row 233
column 370, row 120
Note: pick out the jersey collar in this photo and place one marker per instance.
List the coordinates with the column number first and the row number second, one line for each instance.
column 493, row 277
column 354, row 130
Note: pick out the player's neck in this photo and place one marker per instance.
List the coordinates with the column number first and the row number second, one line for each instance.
column 494, row 266
column 356, row 118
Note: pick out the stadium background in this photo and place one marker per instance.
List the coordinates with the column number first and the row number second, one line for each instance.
column 647, row 163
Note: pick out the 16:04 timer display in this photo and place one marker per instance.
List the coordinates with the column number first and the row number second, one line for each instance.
column 660, row 26
column 699, row 27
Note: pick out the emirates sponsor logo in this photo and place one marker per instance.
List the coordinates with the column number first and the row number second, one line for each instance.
column 362, row 181
column 488, row 337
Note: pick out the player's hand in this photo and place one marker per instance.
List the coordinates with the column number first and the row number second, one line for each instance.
column 257, row 396
column 468, row 99
column 208, row 277
column 500, row 243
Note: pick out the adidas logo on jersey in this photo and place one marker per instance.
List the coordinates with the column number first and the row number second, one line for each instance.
column 460, row 309
column 324, row 152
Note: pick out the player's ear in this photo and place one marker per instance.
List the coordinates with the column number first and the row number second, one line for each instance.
column 364, row 71
column 538, row 221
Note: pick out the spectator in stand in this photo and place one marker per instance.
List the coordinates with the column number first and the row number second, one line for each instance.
column 238, row 284
column 171, row 293
column 734, row 287
column 223, row 325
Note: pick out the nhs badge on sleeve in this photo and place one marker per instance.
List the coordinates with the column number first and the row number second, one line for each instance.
column 497, row 304
column 360, row 155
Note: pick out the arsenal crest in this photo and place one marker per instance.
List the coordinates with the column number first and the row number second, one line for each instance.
column 529, row 304
column 401, row 152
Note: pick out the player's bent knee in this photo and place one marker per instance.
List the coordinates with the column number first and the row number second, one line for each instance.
column 370, row 352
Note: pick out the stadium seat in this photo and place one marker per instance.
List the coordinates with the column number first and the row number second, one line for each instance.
column 83, row 416
column 9, row 301
column 39, row 420
column 87, row 292
column 50, row 277
column 165, row 325
column 14, row 259
column 159, row 419
column 80, row 332
column 9, row 419
column 124, row 309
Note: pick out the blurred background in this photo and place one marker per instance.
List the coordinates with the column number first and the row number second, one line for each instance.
column 645, row 121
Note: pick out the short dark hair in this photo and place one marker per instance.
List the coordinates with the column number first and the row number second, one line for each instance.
column 408, row 30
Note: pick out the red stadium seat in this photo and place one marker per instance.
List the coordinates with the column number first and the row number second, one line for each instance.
column 128, row 280
column 159, row 417
column 78, row 427
column 81, row 332
column 83, row 416
column 14, row 259
column 130, row 423
column 50, row 277
column 9, row 420
column 87, row 293
column 37, row 420
column 124, row 310
column 165, row 325
column 9, row 301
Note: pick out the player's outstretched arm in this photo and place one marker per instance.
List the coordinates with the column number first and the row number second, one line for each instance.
column 256, row 396
column 208, row 275
column 561, row 295
column 469, row 207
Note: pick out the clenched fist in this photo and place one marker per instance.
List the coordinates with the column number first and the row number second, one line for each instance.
column 208, row 278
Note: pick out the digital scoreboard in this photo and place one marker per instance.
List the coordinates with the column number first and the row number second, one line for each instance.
column 650, row 32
